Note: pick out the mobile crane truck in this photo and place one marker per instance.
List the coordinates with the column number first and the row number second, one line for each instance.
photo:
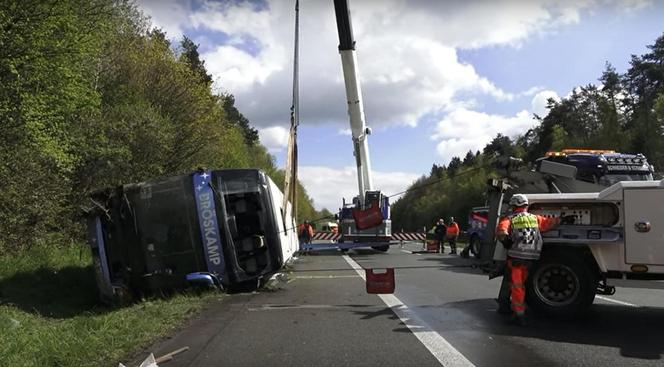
column 367, row 218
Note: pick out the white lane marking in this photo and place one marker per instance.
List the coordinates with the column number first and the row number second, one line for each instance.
column 607, row 299
column 440, row 348
column 270, row 307
column 406, row 251
column 325, row 276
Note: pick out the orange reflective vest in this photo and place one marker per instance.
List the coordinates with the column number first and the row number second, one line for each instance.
column 525, row 230
column 305, row 229
column 452, row 230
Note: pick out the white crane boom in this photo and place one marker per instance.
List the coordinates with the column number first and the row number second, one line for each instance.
column 358, row 126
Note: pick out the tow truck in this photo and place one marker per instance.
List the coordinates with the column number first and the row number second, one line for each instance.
column 610, row 236
column 566, row 171
column 616, row 238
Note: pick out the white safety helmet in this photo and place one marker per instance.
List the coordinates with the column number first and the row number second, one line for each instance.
column 519, row 200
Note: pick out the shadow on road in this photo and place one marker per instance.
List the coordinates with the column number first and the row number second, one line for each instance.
column 326, row 252
column 455, row 264
column 636, row 332
column 366, row 252
column 385, row 311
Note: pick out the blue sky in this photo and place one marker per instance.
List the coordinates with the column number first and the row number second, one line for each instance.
column 573, row 55
column 438, row 77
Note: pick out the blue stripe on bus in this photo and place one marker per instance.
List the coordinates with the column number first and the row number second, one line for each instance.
column 209, row 226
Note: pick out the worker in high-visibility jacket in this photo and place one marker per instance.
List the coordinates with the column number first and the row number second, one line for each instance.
column 305, row 232
column 520, row 233
column 439, row 235
column 452, row 233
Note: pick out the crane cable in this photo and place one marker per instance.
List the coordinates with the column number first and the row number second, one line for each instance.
column 416, row 188
column 464, row 173
column 290, row 174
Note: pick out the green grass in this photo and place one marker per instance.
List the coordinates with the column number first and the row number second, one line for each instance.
column 50, row 316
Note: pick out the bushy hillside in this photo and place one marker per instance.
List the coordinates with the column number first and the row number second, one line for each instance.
column 92, row 96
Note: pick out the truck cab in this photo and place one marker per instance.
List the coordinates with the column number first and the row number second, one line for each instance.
column 477, row 222
column 602, row 167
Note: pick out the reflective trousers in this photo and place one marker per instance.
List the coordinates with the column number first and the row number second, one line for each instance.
column 518, row 275
column 452, row 241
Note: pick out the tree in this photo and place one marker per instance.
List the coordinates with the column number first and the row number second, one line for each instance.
column 192, row 59
column 227, row 102
column 611, row 84
column 454, row 166
column 558, row 138
column 45, row 87
column 645, row 83
column 437, row 171
column 469, row 159
column 500, row 145
column 92, row 97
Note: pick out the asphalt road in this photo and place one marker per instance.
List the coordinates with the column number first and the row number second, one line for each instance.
column 442, row 312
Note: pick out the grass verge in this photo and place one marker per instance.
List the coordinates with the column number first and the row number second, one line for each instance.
column 49, row 314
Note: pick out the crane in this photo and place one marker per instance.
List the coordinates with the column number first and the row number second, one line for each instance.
column 367, row 218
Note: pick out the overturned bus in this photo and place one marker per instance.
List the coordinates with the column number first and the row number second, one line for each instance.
column 222, row 227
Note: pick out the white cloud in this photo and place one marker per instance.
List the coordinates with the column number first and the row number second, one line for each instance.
column 232, row 18
column 408, row 63
column 274, row 138
column 463, row 130
column 407, row 51
column 169, row 15
column 239, row 70
column 407, row 54
column 632, row 5
column 539, row 102
column 327, row 185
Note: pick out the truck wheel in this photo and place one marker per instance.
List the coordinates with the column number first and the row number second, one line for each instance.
column 475, row 246
column 560, row 284
column 384, row 248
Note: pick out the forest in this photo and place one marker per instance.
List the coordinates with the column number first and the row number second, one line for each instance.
column 622, row 112
column 93, row 96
